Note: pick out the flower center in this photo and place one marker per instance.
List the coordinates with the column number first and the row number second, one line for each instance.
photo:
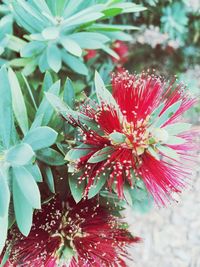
column 135, row 136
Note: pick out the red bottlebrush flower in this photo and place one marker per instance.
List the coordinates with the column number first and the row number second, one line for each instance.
column 136, row 133
column 90, row 54
column 75, row 235
column 122, row 51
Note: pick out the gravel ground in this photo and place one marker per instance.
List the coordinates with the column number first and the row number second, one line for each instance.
column 171, row 236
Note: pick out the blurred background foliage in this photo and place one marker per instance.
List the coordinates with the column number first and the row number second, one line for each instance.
column 168, row 41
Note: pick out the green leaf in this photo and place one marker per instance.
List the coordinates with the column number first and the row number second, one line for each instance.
column 28, row 16
column 174, row 140
column 3, row 231
column 6, row 117
column 21, row 154
column 69, row 93
column 168, row 152
column 66, row 111
column 45, row 108
column 27, row 186
column 54, row 57
column 101, row 155
column 103, row 95
column 97, row 186
column 4, row 195
column 153, row 153
column 111, row 52
column 29, row 91
column 23, row 210
column 75, row 63
column 110, row 27
column 71, row 46
column 48, row 175
column 168, row 113
column 47, row 82
column 78, row 152
column 32, row 49
column 156, row 112
column 15, row 43
column 82, row 17
column 117, row 137
column 43, row 64
column 142, row 201
column 51, row 33
column 5, row 256
column 127, row 194
column 40, row 137
column 129, row 7
column 50, row 157
column 76, row 187
column 113, row 11
column 18, row 103
column 35, row 172
column 90, row 40
column 37, row 122
column 177, row 128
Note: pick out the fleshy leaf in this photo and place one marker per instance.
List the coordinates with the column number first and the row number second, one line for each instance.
column 97, row 186
column 18, row 102
column 167, row 114
column 76, row 187
column 168, row 152
column 174, row 140
column 78, row 152
column 27, row 185
column 177, row 128
column 117, row 138
column 40, row 137
column 21, row 154
column 4, row 194
column 23, row 210
column 101, row 155
column 50, row 157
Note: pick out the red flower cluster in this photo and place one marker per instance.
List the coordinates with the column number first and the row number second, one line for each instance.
column 122, row 51
column 120, row 48
column 68, row 234
column 135, row 133
column 90, row 54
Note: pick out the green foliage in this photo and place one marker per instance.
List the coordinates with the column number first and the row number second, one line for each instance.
column 6, row 25
column 22, row 148
column 60, row 31
column 175, row 21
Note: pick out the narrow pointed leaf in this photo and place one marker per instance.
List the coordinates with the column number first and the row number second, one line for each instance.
column 54, row 57
column 101, row 155
column 71, row 46
column 35, row 172
column 6, row 117
column 97, row 186
column 168, row 113
column 4, row 195
column 76, row 187
column 18, row 103
column 50, row 157
column 169, row 152
column 174, row 140
column 48, row 175
column 177, row 128
column 3, row 231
